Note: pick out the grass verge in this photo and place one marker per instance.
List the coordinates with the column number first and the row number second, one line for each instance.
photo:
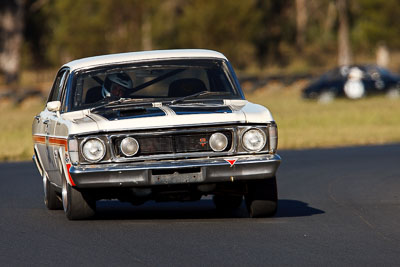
column 16, row 129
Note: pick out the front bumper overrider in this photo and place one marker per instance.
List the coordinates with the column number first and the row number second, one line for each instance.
column 184, row 171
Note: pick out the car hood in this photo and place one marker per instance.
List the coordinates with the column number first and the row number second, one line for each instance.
column 168, row 116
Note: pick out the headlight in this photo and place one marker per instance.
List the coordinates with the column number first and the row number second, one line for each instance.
column 218, row 142
column 254, row 140
column 129, row 146
column 93, row 150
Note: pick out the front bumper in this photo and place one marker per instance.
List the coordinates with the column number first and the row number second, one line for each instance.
column 206, row 170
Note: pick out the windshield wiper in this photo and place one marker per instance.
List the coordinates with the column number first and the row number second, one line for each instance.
column 202, row 93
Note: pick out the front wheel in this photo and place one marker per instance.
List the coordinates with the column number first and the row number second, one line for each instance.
column 262, row 198
column 77, row 205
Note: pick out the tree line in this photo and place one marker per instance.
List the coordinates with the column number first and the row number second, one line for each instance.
column 253, row 34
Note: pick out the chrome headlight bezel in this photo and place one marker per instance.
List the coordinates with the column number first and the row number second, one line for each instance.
column 126, row 154
column 260, row 133
column 103, row 146
column 222, row 137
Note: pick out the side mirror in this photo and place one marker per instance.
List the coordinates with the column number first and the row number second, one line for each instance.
column 53, row 106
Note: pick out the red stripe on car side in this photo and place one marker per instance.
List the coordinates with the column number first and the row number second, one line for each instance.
column 69, row 175
column 39, row 139
column 59, row 142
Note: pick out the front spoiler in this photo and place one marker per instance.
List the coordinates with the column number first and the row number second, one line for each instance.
column 185, row 171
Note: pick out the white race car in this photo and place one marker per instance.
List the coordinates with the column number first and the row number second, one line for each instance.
column 160, row 125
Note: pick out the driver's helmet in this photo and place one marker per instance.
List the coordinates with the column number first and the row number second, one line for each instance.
column 121, row 79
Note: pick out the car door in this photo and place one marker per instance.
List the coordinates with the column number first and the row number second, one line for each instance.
column 51, row 121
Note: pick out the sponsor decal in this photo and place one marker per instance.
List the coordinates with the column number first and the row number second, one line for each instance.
column 231, row 161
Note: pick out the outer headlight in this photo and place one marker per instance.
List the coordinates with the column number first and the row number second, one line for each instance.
column 93, row 150
column 254, row 140
column 218, row 142
column 129, row 146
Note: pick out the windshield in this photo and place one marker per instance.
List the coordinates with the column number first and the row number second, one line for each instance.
column 155, row 81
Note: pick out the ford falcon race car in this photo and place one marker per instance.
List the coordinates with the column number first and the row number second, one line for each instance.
column 168, row 125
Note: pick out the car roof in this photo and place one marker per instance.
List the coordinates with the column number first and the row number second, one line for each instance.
column 96, row 61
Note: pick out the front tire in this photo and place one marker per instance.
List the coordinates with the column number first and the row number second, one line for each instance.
column 262, row 198
column 51, row 199
column 77, row 205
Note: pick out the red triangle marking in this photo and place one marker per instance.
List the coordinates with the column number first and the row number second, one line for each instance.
column 231, row 161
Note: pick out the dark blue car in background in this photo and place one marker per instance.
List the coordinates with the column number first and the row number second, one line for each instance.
column 355, row 81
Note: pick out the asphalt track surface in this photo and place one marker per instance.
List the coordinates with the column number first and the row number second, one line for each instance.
column 337, row 207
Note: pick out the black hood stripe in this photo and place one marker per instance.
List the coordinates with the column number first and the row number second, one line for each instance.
column 132, row 113
column 185, row 110
column 146, row 112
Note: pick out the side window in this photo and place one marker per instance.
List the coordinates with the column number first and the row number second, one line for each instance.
column 58, row 85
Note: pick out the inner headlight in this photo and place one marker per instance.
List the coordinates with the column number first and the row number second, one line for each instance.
column 254, row 140
column 93, row 150
column 129, row 146
column 218, row 142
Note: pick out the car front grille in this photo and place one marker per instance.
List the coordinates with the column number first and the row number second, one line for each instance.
column 170, row 143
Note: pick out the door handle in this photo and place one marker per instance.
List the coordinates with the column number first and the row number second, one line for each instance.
column 46, row 122
column 37, row 118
